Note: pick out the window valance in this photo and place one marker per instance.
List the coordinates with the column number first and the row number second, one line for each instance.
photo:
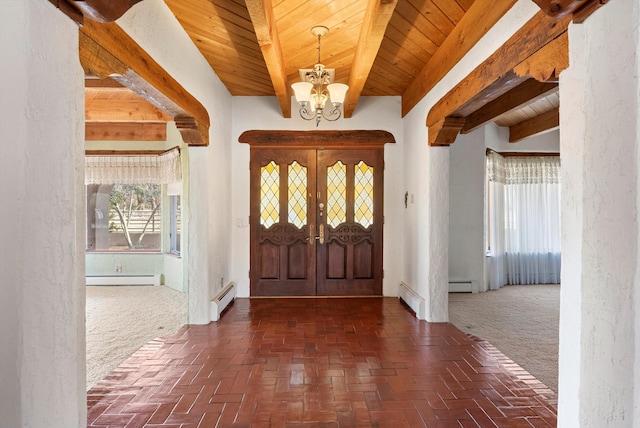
column 523, row 170
column 161, row 168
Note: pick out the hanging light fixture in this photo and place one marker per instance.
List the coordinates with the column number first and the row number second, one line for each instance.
column 316, row 89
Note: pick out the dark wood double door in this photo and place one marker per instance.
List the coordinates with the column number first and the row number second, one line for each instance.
column 316, row 221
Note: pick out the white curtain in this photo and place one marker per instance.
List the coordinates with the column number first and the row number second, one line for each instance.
column 524, row 203
column 135, row 169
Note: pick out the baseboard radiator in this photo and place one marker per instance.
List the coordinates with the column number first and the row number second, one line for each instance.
column 412, row 299
column 221, row 300
column 463, row 286
column 151, row 279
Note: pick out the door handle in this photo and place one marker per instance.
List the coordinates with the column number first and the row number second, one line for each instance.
column 312, row 234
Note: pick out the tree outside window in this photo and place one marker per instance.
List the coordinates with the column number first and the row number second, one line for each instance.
column 124, row 217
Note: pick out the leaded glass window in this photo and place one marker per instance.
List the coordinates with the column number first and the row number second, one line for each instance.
column 363, row 194
column 336, row 194
column 269, row 194
column 297, row 194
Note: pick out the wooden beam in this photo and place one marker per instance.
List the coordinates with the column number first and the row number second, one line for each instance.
column 528, row 91
column 546, row 64
column 101, row 83
column 374, row 26
column 261, row 13
column 445, row 132
column 475, row 23
column 69, row 9
column 545, row 122
column 126, row 131
column 123, row 152
column 524, row 154
column 123, row 110
column 488, row 93
column 326, row 139
column 534, row 35
column 560, row 8
column 128, row 152
column 103, row 10
column 494, row 77
column 580, row 15
column 107, row 51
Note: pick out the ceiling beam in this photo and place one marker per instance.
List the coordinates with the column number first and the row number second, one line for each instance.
column 107, row 51
column 98, row 10
column 546, row 64
column 580, row 15
column 125, row 131
column 475, row 23
column 374, row 26
column 494, row 76
column 560, row 8
column 448, row 129
column 544, row 122
column 528, row 91
column 261, row 13
column 93, row 82
column 131, row 110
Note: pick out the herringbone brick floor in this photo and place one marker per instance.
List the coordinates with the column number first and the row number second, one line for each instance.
column 320, row 362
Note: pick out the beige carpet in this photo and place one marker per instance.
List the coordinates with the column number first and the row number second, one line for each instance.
column 120, row 319
column 520, row 320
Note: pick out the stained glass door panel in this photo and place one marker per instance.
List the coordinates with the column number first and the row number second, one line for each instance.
column 350, row 185
column 282, row 258
column 316, row 222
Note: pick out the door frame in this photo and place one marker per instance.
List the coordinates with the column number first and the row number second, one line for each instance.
column 365, row 139
column 346, row 140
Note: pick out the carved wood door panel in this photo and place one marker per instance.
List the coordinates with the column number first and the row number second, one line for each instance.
column 350, row 218
column 283, row 257
column 316, row 222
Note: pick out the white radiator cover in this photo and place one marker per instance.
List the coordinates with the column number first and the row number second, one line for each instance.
column 222, row 299
column 463, row 286
column 151, row 279
column 412, row 299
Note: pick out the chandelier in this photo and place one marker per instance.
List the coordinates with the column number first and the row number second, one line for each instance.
column 316, row 88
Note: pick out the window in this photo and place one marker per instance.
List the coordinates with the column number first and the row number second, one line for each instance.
column 124, row 217
column 174, row 224
column 524, row 219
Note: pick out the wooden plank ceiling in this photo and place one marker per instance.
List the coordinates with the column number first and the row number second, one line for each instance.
column 378, row 47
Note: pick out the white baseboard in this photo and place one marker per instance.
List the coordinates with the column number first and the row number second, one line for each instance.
column 123, row 279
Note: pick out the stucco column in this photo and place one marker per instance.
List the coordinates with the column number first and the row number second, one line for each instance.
column 42, row 291
column 599, row 320
column 437, row 244
column 197, row 239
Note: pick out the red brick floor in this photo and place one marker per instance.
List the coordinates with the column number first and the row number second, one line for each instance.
column 320, row 363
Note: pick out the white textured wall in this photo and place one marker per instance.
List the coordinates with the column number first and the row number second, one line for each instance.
column 599, row 324
column 132, row 263
column 42, row 364
column 156, row 30
column 498, row 139
column 467, row 208
column 264, row 113
column 427, row 175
